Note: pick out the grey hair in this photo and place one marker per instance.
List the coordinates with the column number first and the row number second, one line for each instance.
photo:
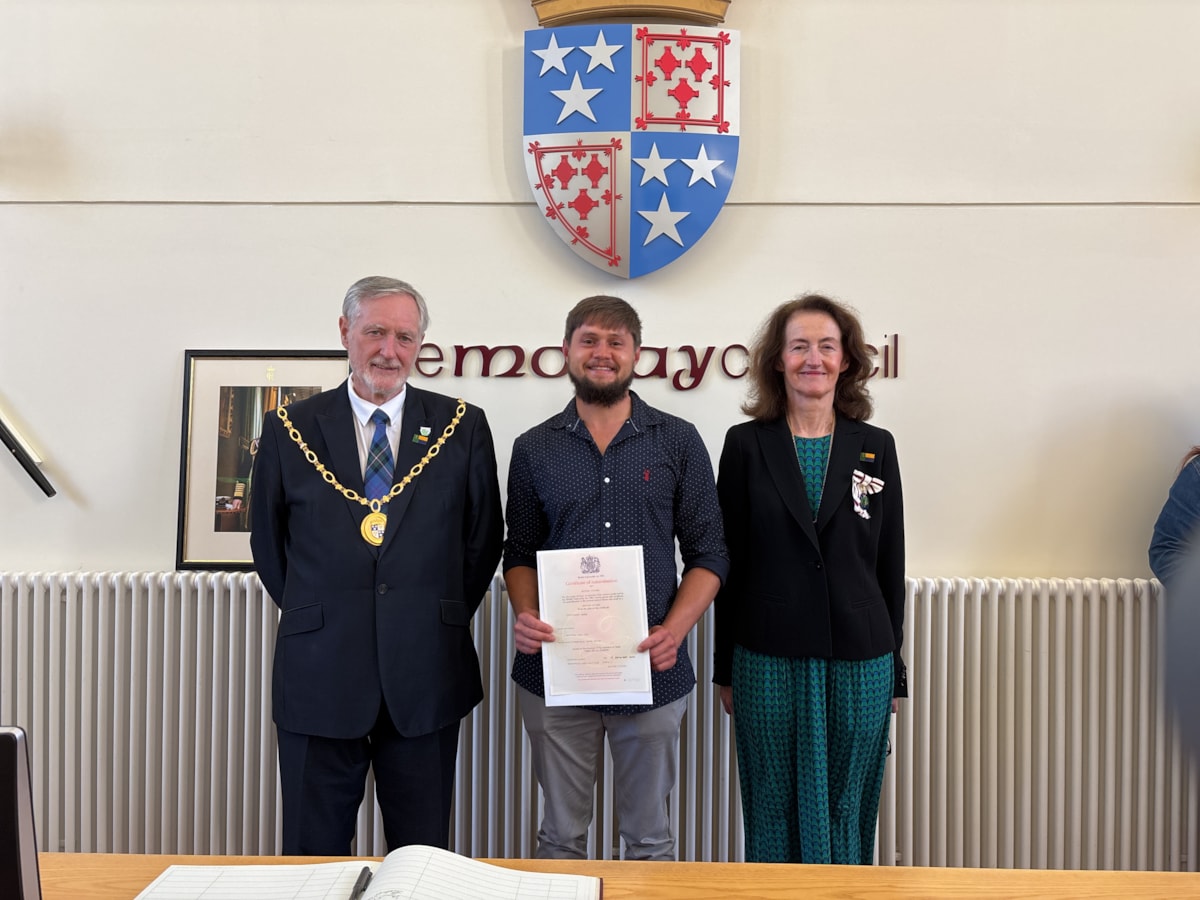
column 377, row 285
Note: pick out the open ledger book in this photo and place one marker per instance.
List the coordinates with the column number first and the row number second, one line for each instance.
column 409, row 873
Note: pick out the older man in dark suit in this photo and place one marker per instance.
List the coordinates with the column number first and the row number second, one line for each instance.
column 376, row 528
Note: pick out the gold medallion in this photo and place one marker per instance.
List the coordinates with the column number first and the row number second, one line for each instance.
column 373, row 526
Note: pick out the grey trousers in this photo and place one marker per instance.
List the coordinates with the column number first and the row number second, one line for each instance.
column 568, row 744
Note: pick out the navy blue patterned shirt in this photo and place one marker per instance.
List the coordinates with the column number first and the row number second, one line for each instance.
column 653, row 483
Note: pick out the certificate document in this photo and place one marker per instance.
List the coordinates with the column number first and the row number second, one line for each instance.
column 595, row 599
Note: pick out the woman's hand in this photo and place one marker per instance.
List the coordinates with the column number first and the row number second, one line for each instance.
column 726, row 697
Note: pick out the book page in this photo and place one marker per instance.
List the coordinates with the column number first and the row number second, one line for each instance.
column 427, row 873
column 409, row 873
column 318, row 881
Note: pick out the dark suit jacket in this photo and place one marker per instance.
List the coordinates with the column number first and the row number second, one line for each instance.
column 362, row 623
column 829, row 590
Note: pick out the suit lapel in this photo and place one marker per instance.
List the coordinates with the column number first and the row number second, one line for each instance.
column 337, row 426
column 779, row 451
column 843, row 458
column 408, row 454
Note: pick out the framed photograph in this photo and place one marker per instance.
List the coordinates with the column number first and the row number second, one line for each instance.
column 226, row 394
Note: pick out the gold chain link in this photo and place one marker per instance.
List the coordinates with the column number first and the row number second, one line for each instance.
column 377, row 504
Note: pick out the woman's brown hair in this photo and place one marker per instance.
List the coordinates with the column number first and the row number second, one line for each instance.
column 767, row 397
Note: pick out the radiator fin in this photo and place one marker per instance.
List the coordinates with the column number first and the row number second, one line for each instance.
column 1035, row 735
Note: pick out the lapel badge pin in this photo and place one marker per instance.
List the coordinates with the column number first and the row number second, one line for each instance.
column 423, row 437
column 866, row 457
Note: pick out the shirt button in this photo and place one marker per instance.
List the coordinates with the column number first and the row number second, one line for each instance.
column 606, row 479
column 382, row 589
column 608, row 524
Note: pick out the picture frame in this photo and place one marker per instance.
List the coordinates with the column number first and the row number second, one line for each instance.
column 226, row 394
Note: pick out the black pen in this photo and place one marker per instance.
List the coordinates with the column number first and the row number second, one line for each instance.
column 360, row 886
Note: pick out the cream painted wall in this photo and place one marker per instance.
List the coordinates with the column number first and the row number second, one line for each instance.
column 1013, row 186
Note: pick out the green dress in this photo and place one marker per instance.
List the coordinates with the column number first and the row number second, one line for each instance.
column 811, row 738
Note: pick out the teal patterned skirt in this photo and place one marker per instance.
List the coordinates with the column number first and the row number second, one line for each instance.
column 811, row 747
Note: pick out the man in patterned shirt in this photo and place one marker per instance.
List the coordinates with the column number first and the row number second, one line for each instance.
column 611, row 471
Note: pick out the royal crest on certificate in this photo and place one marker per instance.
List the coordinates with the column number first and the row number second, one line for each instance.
column 595, row 600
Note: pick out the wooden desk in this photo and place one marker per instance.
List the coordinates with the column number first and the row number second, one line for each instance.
column 102, row 876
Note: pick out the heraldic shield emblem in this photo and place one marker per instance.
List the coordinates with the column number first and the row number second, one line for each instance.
column 631, row 137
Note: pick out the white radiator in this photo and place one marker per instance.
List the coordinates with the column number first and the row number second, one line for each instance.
column 1034, row 736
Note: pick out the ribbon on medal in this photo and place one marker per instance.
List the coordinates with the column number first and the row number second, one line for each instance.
column 862, row 486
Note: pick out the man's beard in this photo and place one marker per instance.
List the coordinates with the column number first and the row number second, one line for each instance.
column 600, row 395
column 375, row 385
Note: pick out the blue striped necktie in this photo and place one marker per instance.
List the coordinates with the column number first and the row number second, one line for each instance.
column 378, row 477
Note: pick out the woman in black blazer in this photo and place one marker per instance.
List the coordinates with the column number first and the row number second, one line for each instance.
column 809, row 623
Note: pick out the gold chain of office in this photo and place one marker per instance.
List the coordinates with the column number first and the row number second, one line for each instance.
column 374, row 524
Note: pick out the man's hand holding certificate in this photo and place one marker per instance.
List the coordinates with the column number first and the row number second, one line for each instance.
column 595, row 599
